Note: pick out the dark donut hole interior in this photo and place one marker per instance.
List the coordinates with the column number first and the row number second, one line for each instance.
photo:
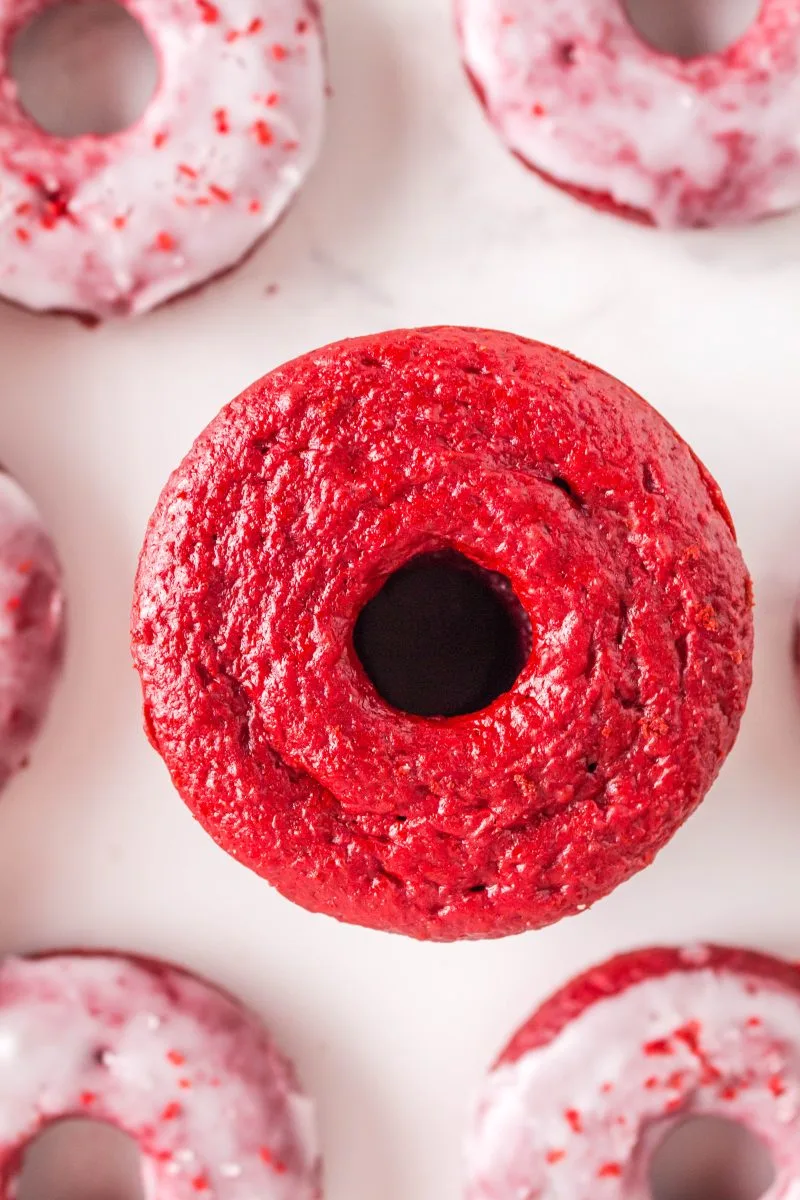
column 691, row 28
column 711, row 1158
column 81, row 1159
column 84, row 67
column 443, row 637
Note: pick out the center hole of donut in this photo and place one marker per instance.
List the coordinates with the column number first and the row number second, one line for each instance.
column 84, row 67
column 443, row 637
column 691, row 28
column 711, row 1158
column 81, row 1160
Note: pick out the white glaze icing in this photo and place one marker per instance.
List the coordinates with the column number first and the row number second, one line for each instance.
column 173, row 1062
column 581, row 1117
column 116, row 225
column 577, row 94
column 31, row 624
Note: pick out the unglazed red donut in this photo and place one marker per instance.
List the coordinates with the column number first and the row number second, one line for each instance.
column 179, row 1066
column 566, row 490
column 31, row 625
column 587, row 1091
column 579, row 96
column 109, row 226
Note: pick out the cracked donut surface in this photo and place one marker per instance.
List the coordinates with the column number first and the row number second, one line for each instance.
column 289, row 514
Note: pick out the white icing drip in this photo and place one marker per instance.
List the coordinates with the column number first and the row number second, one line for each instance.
column 576, row 93
column 231, row 134
column 211, row 1104
column 747, row 1070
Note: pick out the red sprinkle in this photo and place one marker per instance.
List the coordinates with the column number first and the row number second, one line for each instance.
column 200, row 1183
column 188, row 171
column 610, row 1171
column 221, row 120
column 302, row 27
column 269, row 1158
column 220, row 193
column 658, row 1047
column 754, row 1023
column 776, row 1086
column 120, row 222
column 174, row 1056
column 172, row 1111
column 255, row 26
column 555, row 1156
column 254, row 206
column 272, row 99
column 166, row 242
column 262, row 132
column 160, row 139
column 651, row 1084
column 573, row 1119
column 22, row 234
column 185, row 1084
column 209, row 13
column 88, row 1099
column 278, row 52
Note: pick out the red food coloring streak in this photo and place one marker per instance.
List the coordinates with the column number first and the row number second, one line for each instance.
column 174, row 1056
column 22, row 235
column 278, row 52
column 777, row 1086
column 188, row 171
column 262, row 132
column 171, row 1111
column 573, row 1119
column 657, row 1047
column 209, row 13
column 269, row 1158
column 610, row 1171
column 555, row 1156
column 166, row 242
column 160, row 139
column 221, row 120
column 220, row 193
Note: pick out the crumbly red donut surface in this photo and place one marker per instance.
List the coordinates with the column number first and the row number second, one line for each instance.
column 114, row 226
column 578, row 95
column 587, row 1090
column 31, row 625
column 181, row 1067
column 287, row 517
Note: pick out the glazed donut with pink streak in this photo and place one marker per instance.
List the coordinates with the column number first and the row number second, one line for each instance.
column 116, row 225
column 31, row 625
column 577, row 94
column 587, row 1091
column 176, row 1064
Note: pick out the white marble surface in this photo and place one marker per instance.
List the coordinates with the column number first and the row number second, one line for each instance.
column 416, row 215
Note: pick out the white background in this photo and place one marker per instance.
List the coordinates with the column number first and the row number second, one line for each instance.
column 415, row 215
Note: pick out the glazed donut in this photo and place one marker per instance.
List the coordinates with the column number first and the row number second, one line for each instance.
column 587, row 1091
column 596, row 527
column 577, row 94
column 179, row 1066
column 111, row 226
column 31, row 625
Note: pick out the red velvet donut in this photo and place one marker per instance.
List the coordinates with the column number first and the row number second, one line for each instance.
column 589, row 1089
column 574, row 501
column 182, row 1068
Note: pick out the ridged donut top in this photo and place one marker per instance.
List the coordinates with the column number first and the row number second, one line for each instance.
column 288, row 515
column 179, row 1066
column 105, row 226
column 31, row 624
column 593, row 1084
column 574, row 91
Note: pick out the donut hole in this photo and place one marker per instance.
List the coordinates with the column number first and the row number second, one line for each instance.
column 84, row 67
column 81, row 1160
column 443, row 637
column 711, row 1158
column 691, row 28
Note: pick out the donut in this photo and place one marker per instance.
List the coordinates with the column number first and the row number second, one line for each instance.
column 179, row 1066
column 104, row 226
column 583, row 100
column 31, row 625
column 589, row 1089
column 599, row 536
